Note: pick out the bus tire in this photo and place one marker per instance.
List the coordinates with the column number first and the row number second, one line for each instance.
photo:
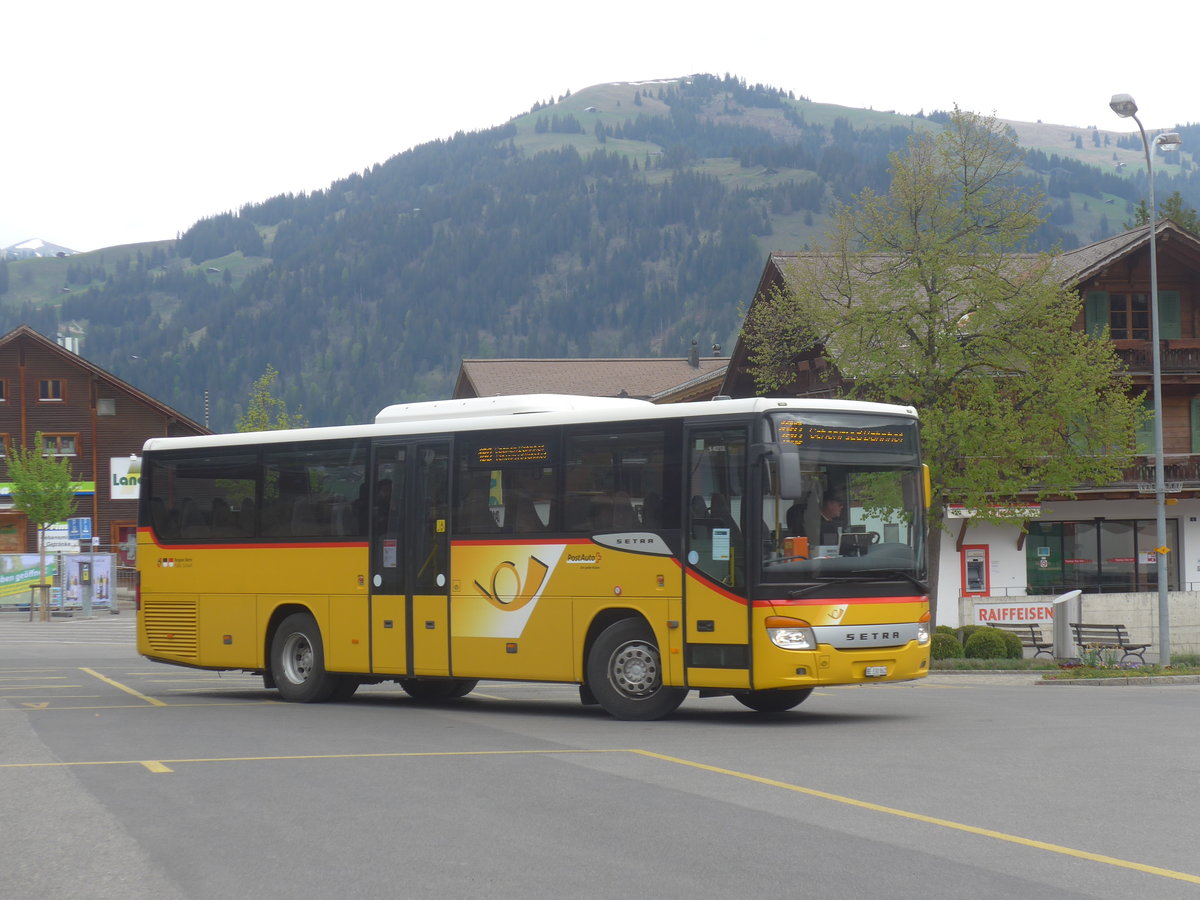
column 298, row 661
column 772, row 701
column 624, row 673
column 436, row 690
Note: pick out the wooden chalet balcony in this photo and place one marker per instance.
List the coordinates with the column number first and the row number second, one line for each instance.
column 1178, row 357
column 1181, row 472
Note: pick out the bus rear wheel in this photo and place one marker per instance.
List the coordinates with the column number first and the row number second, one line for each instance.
column 298, row 661
column 624, row 673
column 436, row 690
column 772, row 701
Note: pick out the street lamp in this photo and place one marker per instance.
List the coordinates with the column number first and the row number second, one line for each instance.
column 1125, row 107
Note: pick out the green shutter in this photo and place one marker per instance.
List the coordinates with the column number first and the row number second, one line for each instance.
column 1168, row 315
column 1095, row 313
column 1196, row 424
column 1145, row 432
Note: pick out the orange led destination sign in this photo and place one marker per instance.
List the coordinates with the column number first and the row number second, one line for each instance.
column 518, row 453
column 804, row 434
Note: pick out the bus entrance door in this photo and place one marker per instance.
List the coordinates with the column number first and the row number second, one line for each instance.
column 410, row 558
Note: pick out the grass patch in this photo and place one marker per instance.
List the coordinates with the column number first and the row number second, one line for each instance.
column 991, row 665
column 1118, row 672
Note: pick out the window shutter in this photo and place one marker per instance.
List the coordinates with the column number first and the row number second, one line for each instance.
column 1196, row 424
column 1145, row 432
column 1168, row 315
column 1095, row 313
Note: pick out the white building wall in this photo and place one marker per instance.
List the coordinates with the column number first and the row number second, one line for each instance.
column 1007, row 572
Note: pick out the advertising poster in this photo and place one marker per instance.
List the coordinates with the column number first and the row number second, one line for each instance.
column 88, row 575
column 18, row 574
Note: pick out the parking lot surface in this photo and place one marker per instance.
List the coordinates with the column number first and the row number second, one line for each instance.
column 127, row 778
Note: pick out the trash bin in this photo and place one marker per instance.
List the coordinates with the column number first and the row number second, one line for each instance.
column 1066, row 610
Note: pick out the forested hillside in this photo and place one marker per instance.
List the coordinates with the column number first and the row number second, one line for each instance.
column 622, row 221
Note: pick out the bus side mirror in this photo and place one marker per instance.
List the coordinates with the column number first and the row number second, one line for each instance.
column 791, row 485
column 926, row 485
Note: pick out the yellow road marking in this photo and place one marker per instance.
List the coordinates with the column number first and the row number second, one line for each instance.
column 39, row 687
column 161, row 766
column 296, row 758
column 138, row 706
column 931, row 820
column 151, row 700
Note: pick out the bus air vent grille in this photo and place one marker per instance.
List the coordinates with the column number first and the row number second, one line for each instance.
column 171, row 628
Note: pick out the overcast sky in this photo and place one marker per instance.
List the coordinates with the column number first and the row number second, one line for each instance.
column 128, row 121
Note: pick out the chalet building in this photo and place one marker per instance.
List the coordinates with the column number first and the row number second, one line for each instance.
column 660, row 380
column 1103, row 541
column 88, row 416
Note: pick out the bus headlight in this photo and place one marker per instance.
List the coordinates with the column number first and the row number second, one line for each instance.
column 791, row 634
column 923, row 629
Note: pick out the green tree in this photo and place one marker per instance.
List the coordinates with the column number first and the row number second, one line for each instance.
column 1177, row 211
column 42, row 489
column 265, row 411
column 1172, row 208
column 920, row 299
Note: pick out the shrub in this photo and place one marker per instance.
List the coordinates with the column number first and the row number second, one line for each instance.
column 965, row 632
column 1015, row 649
column 986, row 643
column 945, row 646
column 946, row 629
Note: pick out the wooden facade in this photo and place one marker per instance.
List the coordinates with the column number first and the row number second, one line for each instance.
column 1113, row 278
column 85, row 415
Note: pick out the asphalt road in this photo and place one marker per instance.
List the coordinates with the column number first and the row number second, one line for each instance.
column 125, row 778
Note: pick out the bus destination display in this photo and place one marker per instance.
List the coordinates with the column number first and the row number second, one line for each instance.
column 517, row 453
column 807, row 434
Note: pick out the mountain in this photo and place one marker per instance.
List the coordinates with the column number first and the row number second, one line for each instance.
column 34, row 248
column 623, row 220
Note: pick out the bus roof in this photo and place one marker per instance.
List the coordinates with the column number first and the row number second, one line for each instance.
column 481, row 413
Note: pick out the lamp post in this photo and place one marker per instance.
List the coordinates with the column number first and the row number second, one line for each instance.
column 1125, row 107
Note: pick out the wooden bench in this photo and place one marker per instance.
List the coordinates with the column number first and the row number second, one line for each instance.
column 1107, row 637
column 1030, row 635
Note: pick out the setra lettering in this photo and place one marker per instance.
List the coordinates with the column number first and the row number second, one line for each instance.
column 873, row 636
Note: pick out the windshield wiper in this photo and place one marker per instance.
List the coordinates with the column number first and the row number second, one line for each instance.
column 896, row 573
column 800, row 592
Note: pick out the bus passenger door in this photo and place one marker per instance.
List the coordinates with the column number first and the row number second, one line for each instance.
column 429, row 560
column 716, row 617
column 390, row 623
column 410, row 558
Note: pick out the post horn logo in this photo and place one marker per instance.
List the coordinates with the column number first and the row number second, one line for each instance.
column 509, row 591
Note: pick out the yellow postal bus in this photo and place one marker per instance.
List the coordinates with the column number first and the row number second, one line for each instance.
column 754, row 548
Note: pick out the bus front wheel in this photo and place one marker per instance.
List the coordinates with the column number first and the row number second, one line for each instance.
column 298, row 661
column 772, row 701
column 624, row 673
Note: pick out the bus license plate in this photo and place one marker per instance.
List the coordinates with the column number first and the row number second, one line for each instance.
column 875, row 671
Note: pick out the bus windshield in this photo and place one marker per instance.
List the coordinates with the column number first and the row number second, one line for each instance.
column 859, row 514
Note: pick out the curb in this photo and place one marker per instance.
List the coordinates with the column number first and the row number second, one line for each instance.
column 1146, row 681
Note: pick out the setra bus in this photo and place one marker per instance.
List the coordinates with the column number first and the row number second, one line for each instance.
column 639, row 551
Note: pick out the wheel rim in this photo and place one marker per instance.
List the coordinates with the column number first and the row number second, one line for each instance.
column 634, row 671
column 297, row 658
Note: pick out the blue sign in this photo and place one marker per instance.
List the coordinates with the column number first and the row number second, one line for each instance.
column 79, row 528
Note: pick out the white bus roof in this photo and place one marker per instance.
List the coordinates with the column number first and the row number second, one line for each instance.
column 523, row 410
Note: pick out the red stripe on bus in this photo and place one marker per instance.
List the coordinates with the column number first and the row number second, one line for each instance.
column 282, row 545
column 523, row 542
column 839, row 601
